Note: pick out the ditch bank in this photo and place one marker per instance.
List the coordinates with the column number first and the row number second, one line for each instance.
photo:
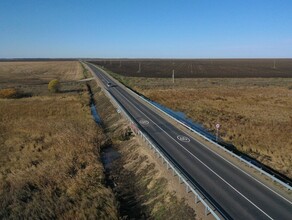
column 139, row 184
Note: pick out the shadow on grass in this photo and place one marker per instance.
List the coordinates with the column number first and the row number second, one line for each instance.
column 71, row 91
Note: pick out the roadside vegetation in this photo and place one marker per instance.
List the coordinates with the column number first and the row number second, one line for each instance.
column 8, row 93
column 254, row 113
column 54, row 85
column 51, row 149
column 50, row 146
column 141, row 188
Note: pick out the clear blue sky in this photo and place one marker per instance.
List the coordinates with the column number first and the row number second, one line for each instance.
column 146, row 28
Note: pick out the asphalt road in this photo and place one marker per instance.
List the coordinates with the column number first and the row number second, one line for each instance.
column 234, row 193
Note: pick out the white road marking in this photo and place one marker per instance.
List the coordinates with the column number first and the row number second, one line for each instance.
column 144, row 122
column 183, row 138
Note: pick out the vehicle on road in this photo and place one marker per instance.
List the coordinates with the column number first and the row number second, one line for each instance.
column 109, row 84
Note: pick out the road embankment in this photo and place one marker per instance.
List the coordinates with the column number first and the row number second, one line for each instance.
column 140, row 184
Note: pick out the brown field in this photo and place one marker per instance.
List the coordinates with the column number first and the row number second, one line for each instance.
column 199, row 68
column 49, row 147
column 255, row 113
column 33, row 77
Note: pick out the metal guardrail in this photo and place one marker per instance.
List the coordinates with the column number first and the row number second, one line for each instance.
column 170, row 165
column 182, row 178
column 287, row 186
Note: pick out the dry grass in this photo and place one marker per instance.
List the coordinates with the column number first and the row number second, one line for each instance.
column 255, row 114
column 49, row 150
column 8, row 93
column 42, row 71
column 33, row 77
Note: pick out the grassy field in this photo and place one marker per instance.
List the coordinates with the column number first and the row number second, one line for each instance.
column 255, row 113
column 32, row 78
column 49, row 147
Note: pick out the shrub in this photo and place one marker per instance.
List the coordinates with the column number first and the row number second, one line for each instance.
column 8, row 93
column 54, row 85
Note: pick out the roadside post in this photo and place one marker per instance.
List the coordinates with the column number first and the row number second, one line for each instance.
column 173, row 76
column 119, row 112
column 217, row 131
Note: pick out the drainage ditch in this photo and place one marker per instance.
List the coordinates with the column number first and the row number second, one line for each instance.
column 140, row 190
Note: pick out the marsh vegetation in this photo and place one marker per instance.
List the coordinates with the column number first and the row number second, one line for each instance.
column 50, row 147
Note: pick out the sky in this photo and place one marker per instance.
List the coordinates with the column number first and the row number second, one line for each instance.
column 146, row 29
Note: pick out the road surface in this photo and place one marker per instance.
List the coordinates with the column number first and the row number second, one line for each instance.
column 234, row 193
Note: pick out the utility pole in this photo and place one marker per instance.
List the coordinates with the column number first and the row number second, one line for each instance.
column 120, row 63
column 274, row 64
column 139, row 70
column 191, row 68
column 173, row 76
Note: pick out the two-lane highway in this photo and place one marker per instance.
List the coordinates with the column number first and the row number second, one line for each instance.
column 234, row 193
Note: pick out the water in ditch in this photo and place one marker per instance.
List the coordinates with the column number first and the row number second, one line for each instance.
column 129, row 207
column 94, row 113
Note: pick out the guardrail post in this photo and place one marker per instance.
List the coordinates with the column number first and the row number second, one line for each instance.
column 207, row 211
column 173, row 172
column 197, row 199
column 187, row 189
column 180, row 180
